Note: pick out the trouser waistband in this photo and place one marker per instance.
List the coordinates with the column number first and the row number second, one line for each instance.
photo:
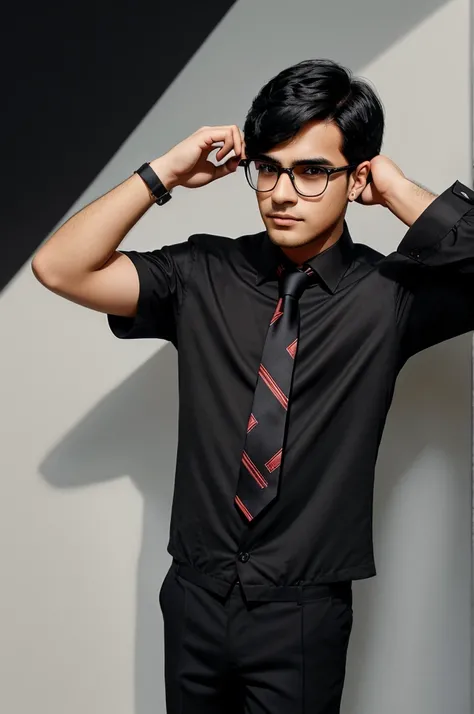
column 300, row 592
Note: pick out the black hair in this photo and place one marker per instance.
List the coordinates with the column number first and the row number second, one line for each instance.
column 316, row 89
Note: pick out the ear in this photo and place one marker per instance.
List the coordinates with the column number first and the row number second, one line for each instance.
column 366, row 169
column 368, row 179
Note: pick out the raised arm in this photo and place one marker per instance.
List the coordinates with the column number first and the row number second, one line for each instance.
column 80, row 260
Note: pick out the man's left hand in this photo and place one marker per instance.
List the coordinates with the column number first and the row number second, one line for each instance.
column 386, row 177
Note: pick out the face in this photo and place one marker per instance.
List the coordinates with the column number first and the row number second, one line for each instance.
column 321, row 218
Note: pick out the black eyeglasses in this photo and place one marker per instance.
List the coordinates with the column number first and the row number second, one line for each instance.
column 310, row 180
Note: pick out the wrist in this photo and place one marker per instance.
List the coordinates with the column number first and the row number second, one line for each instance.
column 397, row 192
column 407, row 200
column 164, row 173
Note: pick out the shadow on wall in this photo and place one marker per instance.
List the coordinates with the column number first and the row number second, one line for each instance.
column 425, row 413
column 133, row 431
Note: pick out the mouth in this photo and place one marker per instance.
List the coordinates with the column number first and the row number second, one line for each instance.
column 284, row 221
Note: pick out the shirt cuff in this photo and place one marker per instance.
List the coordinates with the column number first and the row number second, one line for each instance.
column 436, row 221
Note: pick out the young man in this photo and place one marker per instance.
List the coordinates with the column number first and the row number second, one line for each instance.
column 289, row 343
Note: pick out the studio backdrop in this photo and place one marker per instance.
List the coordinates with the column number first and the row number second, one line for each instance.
column 89, row 423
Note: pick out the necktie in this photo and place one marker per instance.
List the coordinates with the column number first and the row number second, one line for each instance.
column 262, row 460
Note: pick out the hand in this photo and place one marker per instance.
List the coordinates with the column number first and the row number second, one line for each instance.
column 385, row 177
column 186, row 164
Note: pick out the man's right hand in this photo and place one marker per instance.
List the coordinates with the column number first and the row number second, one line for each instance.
column 186, row 164
column 81, row 263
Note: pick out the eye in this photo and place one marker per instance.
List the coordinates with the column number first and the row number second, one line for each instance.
column 316, row 171
column 263, row 167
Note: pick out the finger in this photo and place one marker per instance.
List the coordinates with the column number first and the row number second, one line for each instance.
column 366, row 197
column 212, row 135
column 229, row 135
column 237, row 140
column 228, row 168
column 228, row 145
column 243, row 152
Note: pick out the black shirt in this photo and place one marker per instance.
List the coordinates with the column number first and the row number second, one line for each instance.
column 213, row 298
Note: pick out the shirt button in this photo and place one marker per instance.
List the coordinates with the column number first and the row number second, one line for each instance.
column 243, row 557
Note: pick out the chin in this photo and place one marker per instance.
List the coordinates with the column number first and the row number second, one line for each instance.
column 285, row 235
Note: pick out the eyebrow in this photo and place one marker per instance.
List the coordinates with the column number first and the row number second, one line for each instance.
column 317, row 161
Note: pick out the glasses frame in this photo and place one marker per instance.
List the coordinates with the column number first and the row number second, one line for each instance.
column 288, row 170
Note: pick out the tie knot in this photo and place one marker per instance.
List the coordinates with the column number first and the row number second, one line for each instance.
column 294, row 282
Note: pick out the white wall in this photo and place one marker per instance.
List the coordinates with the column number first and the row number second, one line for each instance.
column 89, row 423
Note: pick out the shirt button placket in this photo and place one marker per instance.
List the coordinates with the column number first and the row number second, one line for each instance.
column 243, row 557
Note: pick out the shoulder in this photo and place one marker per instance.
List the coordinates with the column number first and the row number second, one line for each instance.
column 364, row 253
column 225, row 246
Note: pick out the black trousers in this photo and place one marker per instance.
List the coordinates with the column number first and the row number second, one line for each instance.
column 224, row 655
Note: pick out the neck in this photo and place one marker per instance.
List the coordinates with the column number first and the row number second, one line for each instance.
column 322, row 241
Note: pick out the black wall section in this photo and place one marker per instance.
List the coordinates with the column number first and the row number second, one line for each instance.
column 75, row 82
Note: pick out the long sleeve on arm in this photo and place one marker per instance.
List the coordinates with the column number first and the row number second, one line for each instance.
column 163, row 275
column 434, row 268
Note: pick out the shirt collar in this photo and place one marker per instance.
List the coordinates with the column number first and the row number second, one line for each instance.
column 330, row 265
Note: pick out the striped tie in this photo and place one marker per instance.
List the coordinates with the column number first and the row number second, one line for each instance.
column 262, row 460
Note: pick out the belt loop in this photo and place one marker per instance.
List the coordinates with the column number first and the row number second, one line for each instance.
column 300, row 592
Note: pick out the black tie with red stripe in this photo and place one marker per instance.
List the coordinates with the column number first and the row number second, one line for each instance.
column 262, row 459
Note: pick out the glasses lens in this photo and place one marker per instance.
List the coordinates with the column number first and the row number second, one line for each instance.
column 309, row 180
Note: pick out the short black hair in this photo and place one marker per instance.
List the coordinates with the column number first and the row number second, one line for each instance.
column 316, row 89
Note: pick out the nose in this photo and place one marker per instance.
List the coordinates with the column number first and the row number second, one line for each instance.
column 284, row 190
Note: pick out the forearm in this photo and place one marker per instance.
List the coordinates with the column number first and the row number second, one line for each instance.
column 407, row 200
column 86, row 241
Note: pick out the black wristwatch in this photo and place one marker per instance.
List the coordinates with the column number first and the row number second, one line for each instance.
column 157, row 189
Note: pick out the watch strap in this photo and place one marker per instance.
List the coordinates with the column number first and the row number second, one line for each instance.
column 157, row 189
